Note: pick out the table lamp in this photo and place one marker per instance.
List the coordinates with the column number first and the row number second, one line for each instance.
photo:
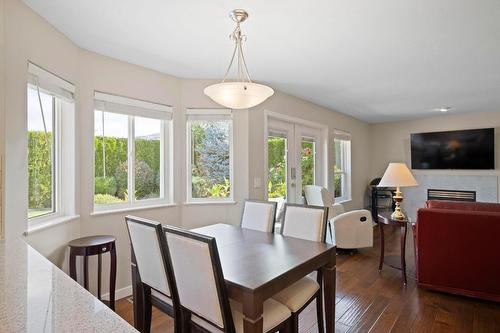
column 397, row 175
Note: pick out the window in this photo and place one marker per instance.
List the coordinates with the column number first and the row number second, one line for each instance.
column 50, row 128
column 131, row 152
column 41, row 153
column 209, row 142
column 307, row 162
column 342, row 166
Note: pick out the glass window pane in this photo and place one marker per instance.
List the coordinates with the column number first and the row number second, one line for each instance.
column 210, row 149
column 338, row 155
column 110, row 160
column 277, row 167
column 307, row 161
column 338, row 185
column 41, row 152
column 148, row 164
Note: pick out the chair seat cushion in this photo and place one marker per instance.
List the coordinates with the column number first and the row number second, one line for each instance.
column 161, row 297
column 274, row 314
column 298, row 294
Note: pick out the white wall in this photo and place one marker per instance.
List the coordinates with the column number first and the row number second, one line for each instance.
column 390, row 142
column 29, row 37
column 2, row 115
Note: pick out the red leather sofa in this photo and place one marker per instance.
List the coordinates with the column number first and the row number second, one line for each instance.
column 458, row 248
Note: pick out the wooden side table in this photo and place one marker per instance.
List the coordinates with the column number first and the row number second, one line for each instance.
column 384, row 218
column 90, row 246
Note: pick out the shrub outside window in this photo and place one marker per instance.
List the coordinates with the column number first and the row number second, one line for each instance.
column 131, row 153
column 209, row 137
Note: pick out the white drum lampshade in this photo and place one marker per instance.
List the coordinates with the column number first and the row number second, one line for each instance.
column 398, row 175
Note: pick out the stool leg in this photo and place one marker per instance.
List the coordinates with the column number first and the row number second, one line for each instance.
column 99, row 264
column 72, row 264
column 86, row 272
column 112, row 279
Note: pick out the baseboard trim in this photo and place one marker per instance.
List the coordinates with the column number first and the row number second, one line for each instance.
column 120, row 293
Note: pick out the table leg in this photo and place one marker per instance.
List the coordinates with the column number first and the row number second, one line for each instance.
column 72, row 265
column 404, row 231
column 99, row 269
column 253, row 308
column 329, row 279
column 382, row 246
column 112, row 279
column 86, row 272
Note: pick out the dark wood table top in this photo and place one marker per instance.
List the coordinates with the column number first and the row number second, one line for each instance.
column 385, row 218
column 91, row 241
column 252, row 260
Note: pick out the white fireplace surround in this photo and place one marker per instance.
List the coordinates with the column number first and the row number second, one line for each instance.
column 486, row 188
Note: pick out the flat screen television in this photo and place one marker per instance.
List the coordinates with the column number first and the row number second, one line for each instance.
column 467, row 150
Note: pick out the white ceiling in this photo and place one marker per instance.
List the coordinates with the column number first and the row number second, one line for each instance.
column 375, row 60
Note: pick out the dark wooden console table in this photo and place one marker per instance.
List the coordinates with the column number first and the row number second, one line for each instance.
column 384, row 219
column 90, row 246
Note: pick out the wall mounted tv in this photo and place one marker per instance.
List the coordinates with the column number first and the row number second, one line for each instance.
column 466, row 150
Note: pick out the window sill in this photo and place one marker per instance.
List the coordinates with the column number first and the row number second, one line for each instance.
column 130, row 209
column 215, row 203
column 342, row 201
column 36, row 227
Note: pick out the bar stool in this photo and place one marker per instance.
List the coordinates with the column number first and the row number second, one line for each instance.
column 90, row 246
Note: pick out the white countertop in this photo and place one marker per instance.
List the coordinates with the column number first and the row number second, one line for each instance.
column 36, row 296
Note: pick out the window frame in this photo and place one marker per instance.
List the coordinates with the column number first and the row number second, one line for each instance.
column 166, row 157
column 208, row 115
column 56, row 165
column 345, row 166
column 63, row 159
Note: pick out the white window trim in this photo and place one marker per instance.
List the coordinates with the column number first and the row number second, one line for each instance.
column 345, row 166
column 64, row 176
column 208, row 114
column 134, row 108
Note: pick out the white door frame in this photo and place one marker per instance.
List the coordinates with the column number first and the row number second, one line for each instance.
column 305, row 127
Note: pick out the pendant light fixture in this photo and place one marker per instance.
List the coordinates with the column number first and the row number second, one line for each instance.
column 243, row 93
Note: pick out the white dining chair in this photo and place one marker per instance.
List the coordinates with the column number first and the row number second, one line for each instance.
column 305, row 222
column 148, row 245
column 202, row 290
column 259, row 215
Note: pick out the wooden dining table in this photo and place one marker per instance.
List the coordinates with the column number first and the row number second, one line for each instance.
column 256, row 265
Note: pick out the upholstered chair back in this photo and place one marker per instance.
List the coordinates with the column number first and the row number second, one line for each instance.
column 306, row 222
column 149, row 250
column 313, row 195
column 198, row 275
column 259, row 215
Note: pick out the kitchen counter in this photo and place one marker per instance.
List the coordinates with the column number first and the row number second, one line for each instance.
column 36, row 296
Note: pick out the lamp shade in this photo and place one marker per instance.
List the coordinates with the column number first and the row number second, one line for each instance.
column 238, row 95
column 397, row 175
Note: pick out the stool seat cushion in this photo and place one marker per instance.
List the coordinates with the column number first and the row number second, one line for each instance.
column 161, row 297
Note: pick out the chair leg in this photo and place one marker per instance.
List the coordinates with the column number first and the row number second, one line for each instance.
column 288, row 326
column 186, row 321
column 148, row 307
column 295, row 322
column 319, row 310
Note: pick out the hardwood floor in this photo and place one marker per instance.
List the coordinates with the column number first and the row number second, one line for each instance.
column 369, row 301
